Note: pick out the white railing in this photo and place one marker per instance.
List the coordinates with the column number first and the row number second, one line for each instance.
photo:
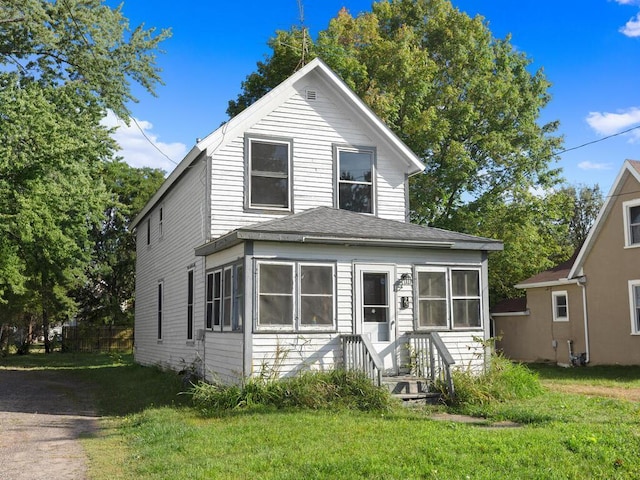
column 431, row 359
column 359, row 355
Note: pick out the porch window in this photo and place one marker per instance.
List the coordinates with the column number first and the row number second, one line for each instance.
column 432, row 299
column 295, row 296
column 355, row 173
column 560, row 306
column 448, row 298
column 225, row 298
column 634, row 304
column 269, row 165
column 465, row 295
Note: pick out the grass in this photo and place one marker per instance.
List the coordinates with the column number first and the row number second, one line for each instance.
column 150, row 432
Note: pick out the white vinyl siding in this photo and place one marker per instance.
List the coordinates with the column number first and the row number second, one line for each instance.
column 560, row 304
column 634, row 306
column 315, row 129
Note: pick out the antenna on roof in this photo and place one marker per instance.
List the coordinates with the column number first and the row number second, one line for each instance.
column 303, row 31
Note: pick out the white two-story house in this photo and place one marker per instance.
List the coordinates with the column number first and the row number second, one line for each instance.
column 283, row 237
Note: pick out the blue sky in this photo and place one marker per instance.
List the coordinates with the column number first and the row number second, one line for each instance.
column 589, row 51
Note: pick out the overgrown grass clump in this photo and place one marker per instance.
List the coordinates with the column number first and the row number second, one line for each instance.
column 312, row 390
column 502, row 381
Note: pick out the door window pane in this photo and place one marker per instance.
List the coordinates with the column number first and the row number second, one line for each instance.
column 374, row 293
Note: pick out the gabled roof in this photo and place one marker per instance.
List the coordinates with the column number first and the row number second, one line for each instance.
column 332, row 226
column 629, row 168
column 245, row 119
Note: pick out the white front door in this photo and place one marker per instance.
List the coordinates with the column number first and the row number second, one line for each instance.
column 375, row 310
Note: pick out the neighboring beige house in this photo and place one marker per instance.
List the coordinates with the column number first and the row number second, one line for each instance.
column 586, row 310
column 282, row 241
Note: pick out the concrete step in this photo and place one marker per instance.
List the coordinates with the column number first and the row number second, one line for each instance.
column 405, row 384
column 432, row 398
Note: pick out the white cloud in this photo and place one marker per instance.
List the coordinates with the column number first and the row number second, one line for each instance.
column 632, row 27
column 137, row 151
column 628, row 2
column 606, row 123
column 594, row 166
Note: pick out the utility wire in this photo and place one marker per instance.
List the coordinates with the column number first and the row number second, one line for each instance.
column 597, row 141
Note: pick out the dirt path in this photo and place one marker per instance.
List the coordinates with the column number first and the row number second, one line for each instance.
column 42, row 415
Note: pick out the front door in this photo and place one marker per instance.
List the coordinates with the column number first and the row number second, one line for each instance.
column 375, row 310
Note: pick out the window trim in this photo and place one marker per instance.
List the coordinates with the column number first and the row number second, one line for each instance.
column 450, row 323
column 554, row 305
column 337, row 148
column 190, row 302
column 160, row 309
column 633, row 307
column 249, row 204
column 296, row 324
column 627, row 206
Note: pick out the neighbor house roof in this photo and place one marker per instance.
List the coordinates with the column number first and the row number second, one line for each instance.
column 554, row 276
column 510, row 307
column 629, row 168
column 332, row 226
column 245, row 119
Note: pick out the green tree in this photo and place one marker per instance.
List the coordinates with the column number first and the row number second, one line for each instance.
column 108, row 293
column 63, row 64
column 463, row 100
column 584, row 203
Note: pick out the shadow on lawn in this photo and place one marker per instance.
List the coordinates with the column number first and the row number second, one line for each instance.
column 111, row 383
column 598, row 373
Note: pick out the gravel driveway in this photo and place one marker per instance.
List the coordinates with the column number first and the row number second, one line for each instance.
column 42, row 415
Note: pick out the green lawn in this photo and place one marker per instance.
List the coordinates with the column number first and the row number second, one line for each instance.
column 150, row 432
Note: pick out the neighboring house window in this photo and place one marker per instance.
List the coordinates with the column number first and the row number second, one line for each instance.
column 160, row 221
column 355, row 172
column 190, row 305
column 160, row 307
column 634, row 303
column 225, row 299
column 632, row 222
column 269, row 176
column 148, row 231
column 448, row 298
column 296, row 296
column 560, row 302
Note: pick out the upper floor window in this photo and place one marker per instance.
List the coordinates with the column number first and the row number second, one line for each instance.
column 632, row 223
column 634, row 304
column 448, row 298
column 355, row 173
column 269, row 177
column 148, row 231
column 560, row 302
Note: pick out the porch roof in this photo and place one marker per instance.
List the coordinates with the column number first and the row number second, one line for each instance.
column 333, row 226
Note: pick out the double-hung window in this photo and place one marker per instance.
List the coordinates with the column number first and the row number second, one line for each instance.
column 632, row 223
column 448, row 298
column 160, row 308
column 295, row 296
column 560, row 302
column 634, row 304
column 225, row 298
column 190, row 305
column 355, row 179
column 269, row 174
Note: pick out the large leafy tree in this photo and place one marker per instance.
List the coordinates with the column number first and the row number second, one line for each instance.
column 63, row 64
column 466, row 102
column 107, row 295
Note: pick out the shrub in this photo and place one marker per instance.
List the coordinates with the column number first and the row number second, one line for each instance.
column 503, row 380
column 312, row 390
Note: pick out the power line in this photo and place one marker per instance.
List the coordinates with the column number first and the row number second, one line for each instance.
column 597, row 141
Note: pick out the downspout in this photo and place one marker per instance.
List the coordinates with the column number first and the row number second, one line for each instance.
column 582, row 281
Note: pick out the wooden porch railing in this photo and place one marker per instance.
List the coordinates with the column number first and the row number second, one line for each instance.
column 359, row 354
column 431, row 359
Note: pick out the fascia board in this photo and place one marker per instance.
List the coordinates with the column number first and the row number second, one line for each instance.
column 550, row 283
column 602, row 214
column 164, row 188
